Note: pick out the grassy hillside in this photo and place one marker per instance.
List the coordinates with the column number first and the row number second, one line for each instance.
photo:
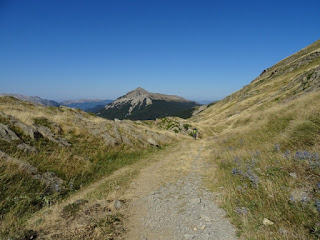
column 266, row 150
column 47, row 153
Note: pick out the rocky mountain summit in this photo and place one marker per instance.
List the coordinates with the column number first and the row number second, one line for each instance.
column 36, row 100
column 140, row 104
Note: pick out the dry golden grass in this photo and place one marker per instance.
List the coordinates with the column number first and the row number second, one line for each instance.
column 250, row 148
column 87, row 160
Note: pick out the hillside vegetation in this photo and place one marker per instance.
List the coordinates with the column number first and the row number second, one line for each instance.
column 47, row 153
column 265, row 153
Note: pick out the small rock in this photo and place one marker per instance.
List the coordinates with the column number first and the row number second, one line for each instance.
column 117, row 120
column 267, row 222
column 117, row 204
column 195, row 201
column 195, row 229
column 152, row 142
column 203, row 227
column 293, row 174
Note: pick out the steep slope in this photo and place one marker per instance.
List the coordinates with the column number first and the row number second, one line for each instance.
column 36, row 100
column 140, row 104
column 265, row 150
column 47, row 153
column 290, row 78
column 85, row 104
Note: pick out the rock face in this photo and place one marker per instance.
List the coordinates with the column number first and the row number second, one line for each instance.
column 140, row 104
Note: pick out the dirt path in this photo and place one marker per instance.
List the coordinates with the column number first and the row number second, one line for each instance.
column 168, row 200
column 162, row 197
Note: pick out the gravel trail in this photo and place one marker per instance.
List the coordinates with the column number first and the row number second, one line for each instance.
column 177, row 206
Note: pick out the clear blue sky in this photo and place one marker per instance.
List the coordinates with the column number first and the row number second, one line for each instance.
column 67, row 49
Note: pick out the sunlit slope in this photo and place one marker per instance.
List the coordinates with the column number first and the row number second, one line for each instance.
column 290, row 78
column 265, row 150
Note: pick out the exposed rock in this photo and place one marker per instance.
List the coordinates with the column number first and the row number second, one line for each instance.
column 267, row 222
column 27, row 148
column 300, row 195
column 7, row 134
column 27, row 130
column 46, row 132
column 293, row 175
column 108, row 139
column 199, row 110
column 49, row 178
column 152, row 142
column 117, row 204
column 56, row 128
column 21, row 164
column 126, row 141
column 117, row 135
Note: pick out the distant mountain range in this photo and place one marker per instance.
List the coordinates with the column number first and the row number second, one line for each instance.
column 36, row 100
column 86, row 104
column 89, row 105
column 140, row 104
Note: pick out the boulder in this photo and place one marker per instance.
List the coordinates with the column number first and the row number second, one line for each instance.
column 117, row 204
column 152, row 142
column 7, row 134
column 46, row 133
column 27, row 130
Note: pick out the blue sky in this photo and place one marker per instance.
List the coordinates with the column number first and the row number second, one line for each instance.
column 68, row 49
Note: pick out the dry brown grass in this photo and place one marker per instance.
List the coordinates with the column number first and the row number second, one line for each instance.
column 254, row 136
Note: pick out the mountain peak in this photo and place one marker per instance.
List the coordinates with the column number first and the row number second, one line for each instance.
column 136, row 93
column 143, row 105
column 140, row 90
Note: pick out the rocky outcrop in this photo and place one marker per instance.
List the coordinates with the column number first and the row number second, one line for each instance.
column 7, row 134
column 31, row 131
column 49, row 178
column 46, row 133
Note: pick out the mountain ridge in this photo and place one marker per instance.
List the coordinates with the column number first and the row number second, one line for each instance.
column 33, row 99
column 140, row 104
